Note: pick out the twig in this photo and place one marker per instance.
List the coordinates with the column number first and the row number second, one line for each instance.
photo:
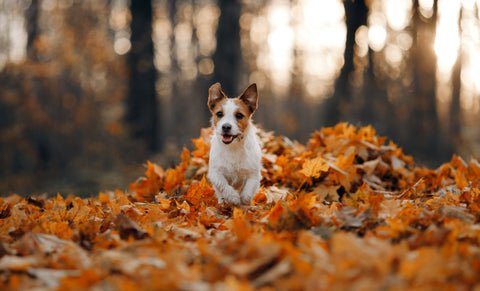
column 411, row 188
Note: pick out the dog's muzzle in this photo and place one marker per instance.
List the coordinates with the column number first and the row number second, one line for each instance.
column 227, row 138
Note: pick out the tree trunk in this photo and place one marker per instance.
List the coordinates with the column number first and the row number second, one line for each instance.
column 228, row 56
column 454, row 122
column 141, row 100
column 373, row 106
column 422, row 124
column 31, row 17
column 356, row 13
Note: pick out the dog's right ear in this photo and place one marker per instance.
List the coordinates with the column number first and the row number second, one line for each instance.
column 215, row 95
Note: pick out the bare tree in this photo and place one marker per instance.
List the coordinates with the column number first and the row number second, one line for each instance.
column 228, row 56
column 356, row 13
column 32, row 28
column 453, row 135
column 422, row 123
column 141, row 100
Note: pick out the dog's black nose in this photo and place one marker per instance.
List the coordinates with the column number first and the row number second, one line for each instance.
column 226, row 127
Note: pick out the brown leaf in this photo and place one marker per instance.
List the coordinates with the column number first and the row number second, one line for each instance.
column 129, row 228
column 457, row 212
column 328, row 193
column 278, row 270
column 349, row 218
column 252, row 268
column 28, row 244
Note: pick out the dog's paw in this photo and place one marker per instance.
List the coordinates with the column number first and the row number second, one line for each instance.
column 231, row 199
column 246, row 199
column 234, row 200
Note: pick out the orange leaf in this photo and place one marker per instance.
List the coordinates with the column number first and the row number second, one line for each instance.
column 345, row 162
column 314, row 168
column 240, row 225
column 459, row 163
column 176, row 176
column 202, row 144
column 201, row 192
column 474, row 168
column 275, row 217
column 295, row 214
column 60, row 229
column 154, row 171
column 146, row 188
column 173, row 179
column 102, row 197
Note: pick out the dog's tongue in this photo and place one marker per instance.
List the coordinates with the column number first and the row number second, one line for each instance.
column 227, row 138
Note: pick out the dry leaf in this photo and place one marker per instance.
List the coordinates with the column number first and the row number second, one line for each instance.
column 314, row 168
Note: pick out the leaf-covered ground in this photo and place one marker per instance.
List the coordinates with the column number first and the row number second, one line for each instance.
column 346, row 211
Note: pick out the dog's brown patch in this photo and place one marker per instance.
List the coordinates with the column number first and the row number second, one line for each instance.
column 250, row 97
column 215, row 95
column 242, row 114
column 217, row 107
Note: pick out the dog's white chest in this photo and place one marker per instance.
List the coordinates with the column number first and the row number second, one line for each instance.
column 236, row 162
column 238, row 159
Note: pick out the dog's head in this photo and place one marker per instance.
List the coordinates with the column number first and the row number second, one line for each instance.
column 231, row 116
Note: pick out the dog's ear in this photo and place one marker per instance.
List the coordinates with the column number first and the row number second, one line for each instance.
column 215, row 95
column 250, row 97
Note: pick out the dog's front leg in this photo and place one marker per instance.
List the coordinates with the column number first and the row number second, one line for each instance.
column 225, row 192
column 250, row 189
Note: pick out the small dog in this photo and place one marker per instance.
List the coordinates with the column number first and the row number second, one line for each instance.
column 235, row 152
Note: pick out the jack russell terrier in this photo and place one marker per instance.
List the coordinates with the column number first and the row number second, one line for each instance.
column 235, row 152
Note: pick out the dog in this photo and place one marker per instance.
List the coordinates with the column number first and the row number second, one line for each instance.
column 234, row 167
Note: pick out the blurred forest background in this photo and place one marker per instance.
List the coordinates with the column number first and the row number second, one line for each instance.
column 90, row 89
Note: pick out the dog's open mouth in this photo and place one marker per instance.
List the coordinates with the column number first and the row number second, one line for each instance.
column 228, row 138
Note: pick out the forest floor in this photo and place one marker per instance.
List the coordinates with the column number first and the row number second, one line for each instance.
column 348, row 210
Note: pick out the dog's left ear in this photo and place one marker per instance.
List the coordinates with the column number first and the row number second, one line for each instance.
column 250, row 97
column 215, row 95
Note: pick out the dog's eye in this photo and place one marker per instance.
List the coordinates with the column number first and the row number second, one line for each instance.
column 219, row 114
column 239, row 116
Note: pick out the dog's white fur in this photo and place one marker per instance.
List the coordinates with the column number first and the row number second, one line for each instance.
column 234, row 168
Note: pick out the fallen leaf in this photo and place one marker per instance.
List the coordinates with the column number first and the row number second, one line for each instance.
column 128, row 228
column 313, row 168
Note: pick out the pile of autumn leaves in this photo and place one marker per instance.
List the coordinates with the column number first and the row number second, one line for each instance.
column 345, row 211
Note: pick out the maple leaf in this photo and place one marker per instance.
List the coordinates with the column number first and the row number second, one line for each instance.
column 314, row 168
